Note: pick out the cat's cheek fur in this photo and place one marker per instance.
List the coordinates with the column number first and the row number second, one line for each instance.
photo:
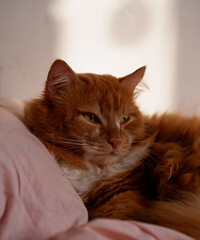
column 79, row 128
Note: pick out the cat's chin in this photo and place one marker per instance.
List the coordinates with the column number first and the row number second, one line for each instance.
column 101, row 160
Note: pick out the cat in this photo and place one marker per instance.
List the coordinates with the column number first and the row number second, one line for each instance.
column 124, row 164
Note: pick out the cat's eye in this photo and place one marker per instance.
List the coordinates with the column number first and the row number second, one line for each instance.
column 90, row 117
column 125, row 119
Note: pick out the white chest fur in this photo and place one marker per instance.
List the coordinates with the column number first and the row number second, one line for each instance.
column 84, row 180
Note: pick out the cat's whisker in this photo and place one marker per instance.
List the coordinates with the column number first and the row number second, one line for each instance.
column 72, row 147
column 74, row 150
column 68, row 139
column 93, row 146
column 64, row 141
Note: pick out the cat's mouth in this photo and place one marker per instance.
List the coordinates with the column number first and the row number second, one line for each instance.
column 92, row 150
column 103, row 154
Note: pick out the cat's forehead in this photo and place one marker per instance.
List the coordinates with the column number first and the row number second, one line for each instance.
column 104, row 92
column 98, row 79
column 101, row 87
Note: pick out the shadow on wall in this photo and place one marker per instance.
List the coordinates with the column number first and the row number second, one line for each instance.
column 130, row 23
column 28, row 39
column 188, row 59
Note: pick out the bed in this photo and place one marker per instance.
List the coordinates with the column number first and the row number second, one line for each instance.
column 38, row 202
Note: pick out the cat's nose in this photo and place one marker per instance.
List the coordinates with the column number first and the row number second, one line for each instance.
column 114, row 142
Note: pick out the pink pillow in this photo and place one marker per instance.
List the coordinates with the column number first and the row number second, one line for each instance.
column 36, row 199
column 105, row 229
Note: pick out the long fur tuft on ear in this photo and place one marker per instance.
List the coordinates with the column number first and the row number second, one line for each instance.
column 130, row 81
column 60, row 75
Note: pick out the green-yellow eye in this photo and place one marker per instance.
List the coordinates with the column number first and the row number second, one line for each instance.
column 90, row 117
column 125, row 119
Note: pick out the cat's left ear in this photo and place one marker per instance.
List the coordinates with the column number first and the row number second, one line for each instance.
column 130, row 81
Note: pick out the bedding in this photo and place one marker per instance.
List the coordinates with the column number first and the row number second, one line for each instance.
column 38, row 202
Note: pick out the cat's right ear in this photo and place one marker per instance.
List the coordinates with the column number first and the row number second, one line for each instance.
column 60, row 76
column 130, row 81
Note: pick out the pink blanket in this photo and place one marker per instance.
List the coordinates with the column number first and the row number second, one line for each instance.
column 38, row 202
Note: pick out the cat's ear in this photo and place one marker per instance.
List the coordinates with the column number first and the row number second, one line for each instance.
column 130, row 81
column 60, row 76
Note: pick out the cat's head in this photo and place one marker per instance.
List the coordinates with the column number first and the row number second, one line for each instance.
column 94, row 115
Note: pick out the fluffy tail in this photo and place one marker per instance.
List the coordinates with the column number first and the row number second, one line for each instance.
column 183, row 216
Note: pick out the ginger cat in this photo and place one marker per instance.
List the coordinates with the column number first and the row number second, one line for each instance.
column 124, row 164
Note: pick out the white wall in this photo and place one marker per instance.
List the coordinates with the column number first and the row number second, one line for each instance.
column 115, row 36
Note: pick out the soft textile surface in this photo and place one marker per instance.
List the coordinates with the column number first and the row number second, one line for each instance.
column 104, row 229
column 38, row 202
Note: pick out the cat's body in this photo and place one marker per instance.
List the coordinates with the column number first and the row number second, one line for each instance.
column 162, row 185
column 123, row 164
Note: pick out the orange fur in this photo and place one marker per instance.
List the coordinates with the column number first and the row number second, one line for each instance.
column 148, row 167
